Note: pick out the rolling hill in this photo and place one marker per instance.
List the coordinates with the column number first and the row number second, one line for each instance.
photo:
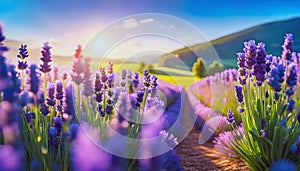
column 272, row 34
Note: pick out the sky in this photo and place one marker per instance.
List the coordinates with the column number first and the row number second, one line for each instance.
column 66, row 23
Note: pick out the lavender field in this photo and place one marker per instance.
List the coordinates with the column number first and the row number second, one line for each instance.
column 149, row 86
column 107, row 120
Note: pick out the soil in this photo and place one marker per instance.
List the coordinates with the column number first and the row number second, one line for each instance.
column 197, row 156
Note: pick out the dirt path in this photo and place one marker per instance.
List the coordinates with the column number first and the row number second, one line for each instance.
column 202, row 157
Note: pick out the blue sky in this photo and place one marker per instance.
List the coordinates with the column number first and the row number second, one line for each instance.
column 70, row 22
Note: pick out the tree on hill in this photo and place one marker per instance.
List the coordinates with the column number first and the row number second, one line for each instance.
column 215, row 67
column 142, row 66
column 199, row 69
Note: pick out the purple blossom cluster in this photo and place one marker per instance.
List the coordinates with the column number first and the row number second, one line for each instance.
column 287, row 47
column 23, row 54
column 87, row 82
column 78, row 67
column 262, row 113
column 253, row 62
column 45, row 67
column 223, row 143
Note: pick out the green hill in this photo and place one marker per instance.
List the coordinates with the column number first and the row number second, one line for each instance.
column 272, row 34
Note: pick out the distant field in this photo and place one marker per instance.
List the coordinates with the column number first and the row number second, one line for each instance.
column 171, row 75
column 184, row 81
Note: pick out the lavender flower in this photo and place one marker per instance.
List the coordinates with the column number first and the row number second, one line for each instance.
column 29, row 116
column 99, row 110
column 146, row 78
column 241, row 60
column 154, row 84
column 50, row 93
column 135, row 81
column 58, row 125
column 287, row 47
column 59, row 90
column 223, row 143
column 52, row 132
column 69, row 107
column 103, row 75
column 72, row 133
column 34, row 80
column 123, row 79
column 259, row 68
column 242, row 68
column 139, row 98
column 129, row 75
column 99, row 94
column 110, row 67
column 44, row 109
column 109, row 107
column 98, row 84
column 269, row 60
column 276, row 77
column 239, row 93
column 40, row 97
column 169, row 139
column 87, row 83
column 59, row 95
column 291, row 105
column 123, row 74
column 110, row 80
column 23, row 54
column 281, row 69
column 291, row 79
column 78, row 67
column 250, row 54
column 46, row 58
column 230, row 117
column 24, row 99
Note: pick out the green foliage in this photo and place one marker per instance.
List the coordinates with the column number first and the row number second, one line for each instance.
column 215, row 67
column 281, row 128
column 199, row 69
column 141, row 67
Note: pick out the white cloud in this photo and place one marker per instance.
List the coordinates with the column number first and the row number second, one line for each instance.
column 167, row 27
column 130, row 23
column 147, row 20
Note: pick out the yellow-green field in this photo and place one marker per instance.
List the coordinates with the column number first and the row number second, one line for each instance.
column 185, row 81
column 171, row 75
